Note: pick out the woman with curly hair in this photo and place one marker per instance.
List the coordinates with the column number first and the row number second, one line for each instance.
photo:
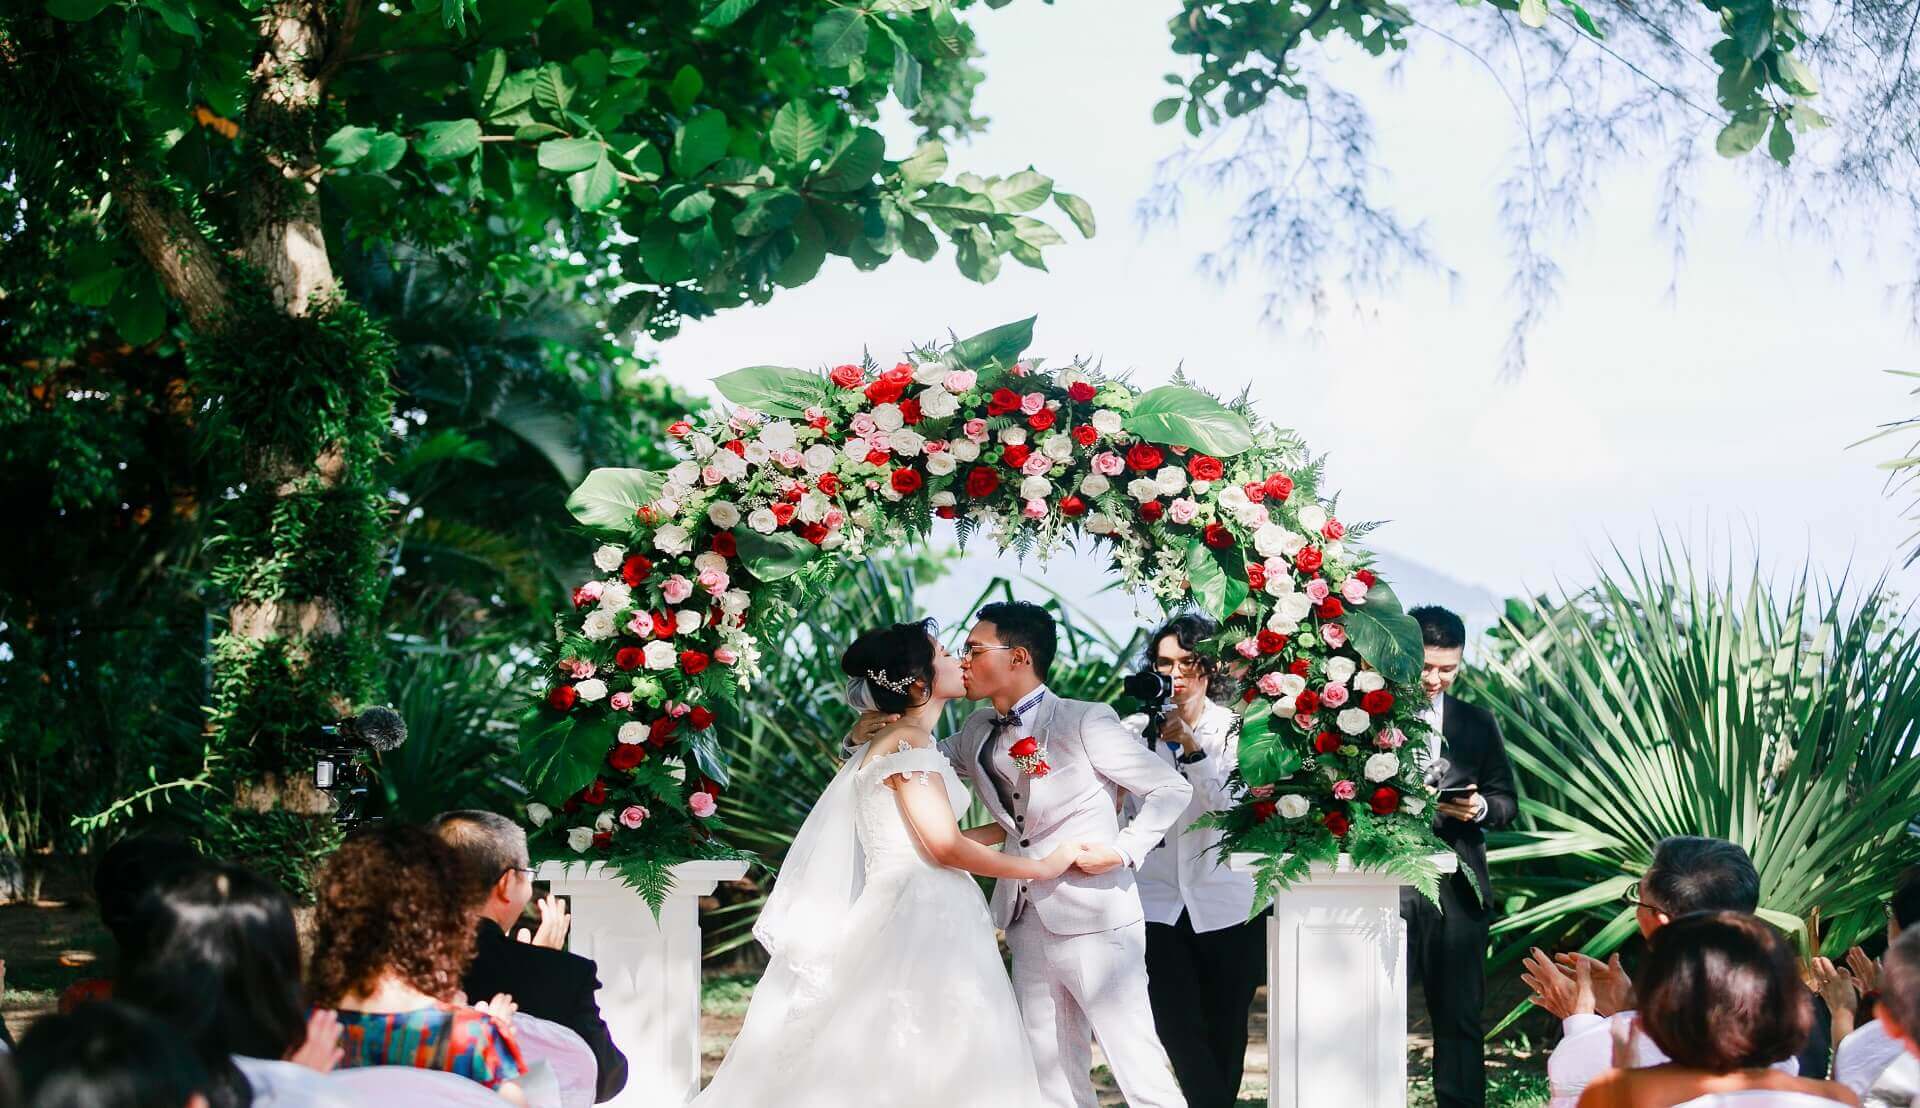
column 391, row 944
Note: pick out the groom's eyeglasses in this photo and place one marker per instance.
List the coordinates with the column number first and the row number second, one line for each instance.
column 972, row 648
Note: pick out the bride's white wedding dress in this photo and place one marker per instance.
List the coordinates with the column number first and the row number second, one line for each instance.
column 902, row 1001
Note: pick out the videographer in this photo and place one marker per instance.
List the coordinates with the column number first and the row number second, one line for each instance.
column 1204, row 957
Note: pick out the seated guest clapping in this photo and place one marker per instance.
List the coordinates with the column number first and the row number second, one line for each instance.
column 1721, row 996
column 543, row 980
column 1865, row 1055
column 1898, row 1011
column 107, row 1055
column 219, row 964
column 392, row 939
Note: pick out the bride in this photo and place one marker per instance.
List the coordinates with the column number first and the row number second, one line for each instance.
column 886, row 986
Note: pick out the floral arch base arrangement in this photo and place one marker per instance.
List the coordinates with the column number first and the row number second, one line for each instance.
column 1199, row 503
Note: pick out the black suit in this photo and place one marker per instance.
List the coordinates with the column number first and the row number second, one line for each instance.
column 1447, row 947
column 553, row 985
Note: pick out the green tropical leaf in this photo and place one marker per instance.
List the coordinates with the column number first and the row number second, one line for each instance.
column 724, row 13
column 1022, row 192
column 1385, row 635
column 610, row 497
column 773, row 389
column 594, row 188
column 1077, row 210
column 1000, row 345
column 906, row 78
column 1741, row 134
column 560, row 758
column 927, row 164
column 1176, row 416
column 139, row 309
column 569, row 155
column 76, row 11
column 453, row 138
column 839, row 37
column 774, row 557
column 853, row 165
column 347, row 146
column 1217, row 591
column 1266, row 757
column 700, row 142
column 797, row 133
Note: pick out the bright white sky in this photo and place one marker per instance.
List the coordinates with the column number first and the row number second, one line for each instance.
column 1724, row 416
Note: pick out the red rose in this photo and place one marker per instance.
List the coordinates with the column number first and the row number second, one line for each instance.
column 679, row 428
column 625, row 756
column 1203, row 468
column 815, row 533
column 629, row 657
column 603, row 840
column 884, row 391
column 1271, row 642
column 846, row 376
column 1003, row 401
column 1247, row 694
column 1025, row 747
column 561, row 698
column 1080, row 392
column 1338, row 823
column 644, row 513
column 794, row 493
column 1085, row 434
column 1217, row 536
column 982, row 482
column 1042, row 420
column 595, row 793
column 783, row 513
column 819, row 422
column 708, row 786
column 1332, row 530
column 1256, row 576
column 1042, row 769
column 1016, row 455
column 1144, row 457
column 1330, row 608
column 1385, row 800
column 1279, row 486
column 1263, row 810
column 661, row 730
column 635, row 569
column 1308, row 560
column 947, row 511
column 693, row 661
column 739, row 448
column 1073, row 507
column 1306, row 703
column 1326, row 742
column 662, row 625
column 1255, row 491
column 1366, row 577
column 828, row 484
column 877, row 457
column 1152, row 510
column 1378, row 702
column 584, row 599
column 905, row 481
column 910, row 410
column 1300, row 667
column 725, row 545
column 700, row 718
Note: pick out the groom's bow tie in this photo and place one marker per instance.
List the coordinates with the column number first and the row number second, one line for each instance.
column 1001, row 723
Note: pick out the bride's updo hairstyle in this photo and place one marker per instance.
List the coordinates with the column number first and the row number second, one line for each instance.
column 890, row 659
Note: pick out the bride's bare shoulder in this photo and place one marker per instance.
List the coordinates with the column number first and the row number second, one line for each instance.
column 896, row 737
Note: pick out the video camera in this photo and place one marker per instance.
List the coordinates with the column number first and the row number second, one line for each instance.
column 347, row 751
column 1155, row 692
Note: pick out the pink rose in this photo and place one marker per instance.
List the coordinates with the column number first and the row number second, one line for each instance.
column 1354, row 591
column 864, row 426
column 620, row 701
column 1270, row 682
column 591, row 591
column 725, row 656
column 1183, row 511
column 1260, row 792
column 1248, row 648
column 712, row 580
column 577, row 668
column 712, row 475
column 1035, row 509
column 815, row 412
column 1036, row 465
column 975, row 429
column 1032, row 402
column 1334, row 635
column 1391, row 739
column 676, row 589
column 633, row 815
column 1332, row 530
column 677, row 709
column 701, row 805
column 790, row 458
column 1333, row 695
column 1108, row 464
column 640, row 626
column 1343, row 790
column 834, row 517
column 879, row 440
column 934, row 446
column 1318, row 590
column 960, row 380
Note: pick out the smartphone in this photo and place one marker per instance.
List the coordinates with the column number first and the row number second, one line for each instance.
column 1454, row 794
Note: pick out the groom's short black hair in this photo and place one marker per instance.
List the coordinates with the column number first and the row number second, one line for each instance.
column 1440, row 627
column 1024, row 623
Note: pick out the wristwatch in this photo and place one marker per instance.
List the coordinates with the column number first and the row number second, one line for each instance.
column 1189, row 759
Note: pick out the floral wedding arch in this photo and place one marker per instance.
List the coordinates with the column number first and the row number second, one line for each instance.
column 1197, row 502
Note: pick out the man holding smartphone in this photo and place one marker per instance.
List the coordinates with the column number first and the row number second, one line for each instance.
column 1447, row 946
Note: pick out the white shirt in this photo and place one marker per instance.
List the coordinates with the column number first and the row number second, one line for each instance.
column 1434, row 715
column 1864, row 1055
column 1185, row 871
column 997, row 756
column 1897, row 1086
column 1586, row 1051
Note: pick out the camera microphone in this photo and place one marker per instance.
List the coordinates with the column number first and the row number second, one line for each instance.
column 379, row 729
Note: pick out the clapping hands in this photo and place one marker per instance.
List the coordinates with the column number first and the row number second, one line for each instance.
column 554, row 924
column 320, row 1051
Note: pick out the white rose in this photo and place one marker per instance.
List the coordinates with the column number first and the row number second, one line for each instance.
column 686, row 474
column 855, row 449
column 938, row 404
column 887, row 417
column 763, row 520
column 710, row 561
column 1234, row 499
column 675, row 491
column 1312, row 518
column 1293, row 806
column 931, row 373
column 1353, row 721
column 812, row 508
column 964, row 450
column 603, row 822
column 598, row 625
column 1383, row 766
column 1036, row 488
column 1095, row 485
column 731, row 466
column 1367, row 681
column 907, row 443
column 538, row 814
column 659, row 655
column 724, row 514
column 672, row 539
column 818, row 458
column 592, row 688
column 757, row 453
column 1294, row 543
column 667, row 507
column 941, row 464
column 834, row 541
column 1143, row 489
column 1058, row 447
column 1271, row 540
column 735, row 601
column 1099, row 523
column 1171, row 479
column 608, row 558
column 1412, row 805
column 1280, row 623
column 1014, row 436
column 632, row 732
column 1292, row 685
column 702, row 446
column 615, row 595
column 1296, row 606
column 1108, row 422
column 1339, row 670
column 778, row 435
column 686, row 622
column 579, row 838
column 1335, row 551
column 943, row 498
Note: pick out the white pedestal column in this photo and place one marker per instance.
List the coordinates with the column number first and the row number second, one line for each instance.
column 649, row 972
column 1337, row 988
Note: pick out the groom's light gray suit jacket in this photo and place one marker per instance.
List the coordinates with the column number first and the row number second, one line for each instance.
column 1089, row 754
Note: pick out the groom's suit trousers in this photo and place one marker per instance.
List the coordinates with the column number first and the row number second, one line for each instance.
column 1073, row 987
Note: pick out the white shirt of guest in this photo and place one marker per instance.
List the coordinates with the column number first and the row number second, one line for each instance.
column 1186, row 872
column 1586, row 1051
column 1864, row 1055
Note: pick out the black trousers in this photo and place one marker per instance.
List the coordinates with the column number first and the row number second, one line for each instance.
column 1447, row 954
column 1201, row 986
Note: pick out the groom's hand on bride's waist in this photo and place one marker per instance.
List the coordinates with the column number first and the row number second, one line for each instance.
column 1098, row 860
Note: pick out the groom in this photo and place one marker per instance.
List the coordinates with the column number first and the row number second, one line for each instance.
column 1078, row 941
